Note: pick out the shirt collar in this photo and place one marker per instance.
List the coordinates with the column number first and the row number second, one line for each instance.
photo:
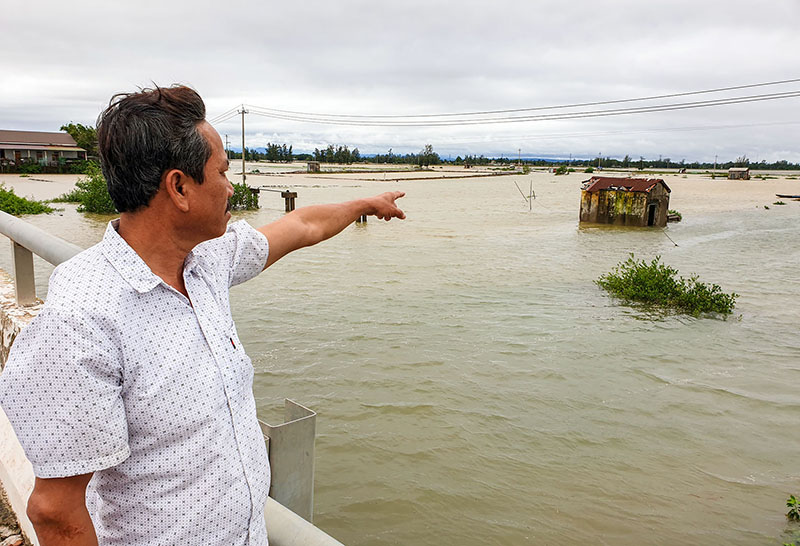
column 130, row 265
column 126, row 261
column 195, row 260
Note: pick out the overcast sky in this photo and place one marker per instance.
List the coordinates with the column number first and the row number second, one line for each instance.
column 63, row 62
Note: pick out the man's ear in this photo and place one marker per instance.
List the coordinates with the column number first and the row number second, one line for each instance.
column 175, row 183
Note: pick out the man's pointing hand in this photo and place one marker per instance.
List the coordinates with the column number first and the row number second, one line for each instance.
column 383, row 206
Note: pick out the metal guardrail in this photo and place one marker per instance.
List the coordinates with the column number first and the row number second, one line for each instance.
column 27, row 240
column 285, row 528
column 291, row 456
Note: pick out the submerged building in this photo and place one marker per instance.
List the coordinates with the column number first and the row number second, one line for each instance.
column 47, row 149
column 625, row 201
column 739, row 173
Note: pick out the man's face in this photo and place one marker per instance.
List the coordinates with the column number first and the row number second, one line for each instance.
column 213, row 203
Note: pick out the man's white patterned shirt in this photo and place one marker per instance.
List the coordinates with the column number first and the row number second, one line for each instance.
column 123, row 376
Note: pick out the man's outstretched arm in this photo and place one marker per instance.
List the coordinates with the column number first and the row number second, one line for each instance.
column 57, row 510
column 308, row 226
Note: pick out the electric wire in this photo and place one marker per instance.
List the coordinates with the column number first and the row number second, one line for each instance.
column 555, row 136
column 537, row 108
column 224, row 116
column 465, row 117
column 539, row 117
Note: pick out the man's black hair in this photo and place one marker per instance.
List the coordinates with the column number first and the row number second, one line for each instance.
column 142, row 135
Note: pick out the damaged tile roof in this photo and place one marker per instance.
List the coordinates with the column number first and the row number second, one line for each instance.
column 599, row 183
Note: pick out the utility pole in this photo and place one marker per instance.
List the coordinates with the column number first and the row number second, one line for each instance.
column 519, row 156
column 243, row 113
column 227, row 154
column 715, row 162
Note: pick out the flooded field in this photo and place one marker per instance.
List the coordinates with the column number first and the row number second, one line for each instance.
column 474, row 386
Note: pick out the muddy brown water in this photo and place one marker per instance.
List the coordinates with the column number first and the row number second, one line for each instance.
column 474, row 386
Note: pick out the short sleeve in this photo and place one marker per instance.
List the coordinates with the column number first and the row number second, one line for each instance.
column 62, row 391
column 243, row 249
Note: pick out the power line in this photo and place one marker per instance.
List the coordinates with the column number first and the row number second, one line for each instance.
column 556, row 136
column 539, row 117
column 224, row 116
column 532, row 109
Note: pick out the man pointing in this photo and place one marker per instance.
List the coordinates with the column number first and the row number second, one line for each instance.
column 130, row 392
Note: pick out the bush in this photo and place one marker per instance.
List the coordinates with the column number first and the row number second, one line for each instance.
column 29, row 166
column 13, row 204
column 243, row 198
column 79, row 167
column 657, row 284
column 676, row 213
column 562, row 169
column 73, row 196
column 794, row 508
column 91, row 192
column 589, row 170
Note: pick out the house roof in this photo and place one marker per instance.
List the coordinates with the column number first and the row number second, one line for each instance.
column 600, row 183
column 26, row 139
column 739, row 169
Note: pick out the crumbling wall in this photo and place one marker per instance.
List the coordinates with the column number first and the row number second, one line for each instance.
column 619, row 208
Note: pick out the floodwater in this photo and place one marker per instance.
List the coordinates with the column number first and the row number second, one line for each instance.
column 474, row 386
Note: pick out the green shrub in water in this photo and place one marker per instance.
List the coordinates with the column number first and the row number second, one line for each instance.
column 79, row 167
column 73, row 196
column 16, row 205
column 243, row 198
column 658, row 285
column 29, row 166
column 793, row 504
column 91, row 193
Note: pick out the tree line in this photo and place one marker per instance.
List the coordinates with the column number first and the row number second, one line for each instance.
column 86, row 137
column 338, row 154
column 667, row 163
column 280, row 153
column 423, row 158
column 343, row 155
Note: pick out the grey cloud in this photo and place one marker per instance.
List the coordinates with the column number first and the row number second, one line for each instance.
column 419, row 57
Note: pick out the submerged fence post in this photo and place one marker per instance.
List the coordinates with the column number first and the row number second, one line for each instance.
column 289, row 196
column 291, row 458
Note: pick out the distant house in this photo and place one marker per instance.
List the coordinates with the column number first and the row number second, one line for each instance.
column 739, row 173
column 47, row 149
column 625, row 201
column 313, row 167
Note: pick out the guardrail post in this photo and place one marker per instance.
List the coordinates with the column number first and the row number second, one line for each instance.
column 291, row 459
column 24, row 281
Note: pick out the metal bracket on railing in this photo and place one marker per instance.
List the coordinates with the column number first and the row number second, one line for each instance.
column 24, row 281
column 291, row 458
